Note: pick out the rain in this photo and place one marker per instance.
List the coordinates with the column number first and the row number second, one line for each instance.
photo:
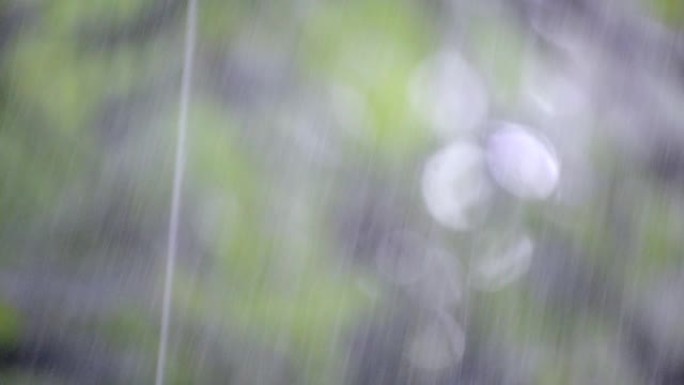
column 359, row 192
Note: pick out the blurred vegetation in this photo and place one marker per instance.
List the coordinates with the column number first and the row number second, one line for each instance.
column 270, row 288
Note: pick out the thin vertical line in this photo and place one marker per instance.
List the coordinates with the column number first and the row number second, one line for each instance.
column 178, row 173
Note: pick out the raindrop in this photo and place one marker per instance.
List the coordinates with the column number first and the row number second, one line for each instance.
column 521, row 163
column 450, row 94
column 502, row 265
column 439, row 344
column 455, row 186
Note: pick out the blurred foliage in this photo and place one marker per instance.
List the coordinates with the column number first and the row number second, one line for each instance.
column 259, row 258
column 10, row 326
column 670, row 11
column 373, row 47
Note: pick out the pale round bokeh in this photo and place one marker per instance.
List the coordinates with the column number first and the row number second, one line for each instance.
column 455, row 185
column 502, row 264
column 522, row 163
column 449, row 94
